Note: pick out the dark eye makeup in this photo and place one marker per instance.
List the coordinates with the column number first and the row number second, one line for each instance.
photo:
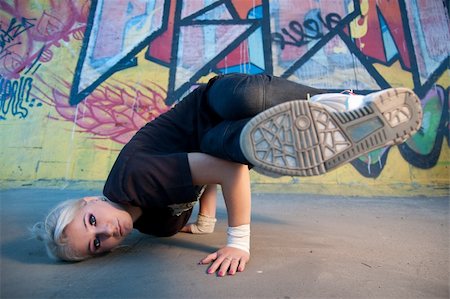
column 92, row 220
column 96, row 243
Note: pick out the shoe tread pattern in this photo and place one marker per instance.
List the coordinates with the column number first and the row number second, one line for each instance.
column 301, row 138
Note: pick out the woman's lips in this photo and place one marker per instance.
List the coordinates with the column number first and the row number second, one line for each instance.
column 119, row 228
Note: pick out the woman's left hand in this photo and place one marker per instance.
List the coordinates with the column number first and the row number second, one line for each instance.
column 227, row 260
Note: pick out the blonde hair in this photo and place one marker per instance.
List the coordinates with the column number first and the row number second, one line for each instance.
column 51, row 230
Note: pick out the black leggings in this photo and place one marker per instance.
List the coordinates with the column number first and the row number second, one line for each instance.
column 238, row 97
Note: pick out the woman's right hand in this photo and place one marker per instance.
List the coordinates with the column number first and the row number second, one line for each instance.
column 227, row 260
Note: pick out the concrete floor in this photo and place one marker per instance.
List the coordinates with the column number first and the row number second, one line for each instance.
column 302, row 247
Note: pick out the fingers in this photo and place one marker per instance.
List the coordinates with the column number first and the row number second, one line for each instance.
column 209, row 258
column 187, row 228
column 226, row 262
column 229, row 264
column 242, row 264
column 203, row 227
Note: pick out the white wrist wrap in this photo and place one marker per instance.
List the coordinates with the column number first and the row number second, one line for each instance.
column 239, row 237
column 204, row 225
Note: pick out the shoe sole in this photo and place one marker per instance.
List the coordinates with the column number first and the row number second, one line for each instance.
column 301, row 138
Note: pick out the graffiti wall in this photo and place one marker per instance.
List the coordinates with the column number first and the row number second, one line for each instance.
column 78, row 78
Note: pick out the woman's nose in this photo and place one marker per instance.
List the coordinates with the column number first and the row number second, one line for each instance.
column 107, row 230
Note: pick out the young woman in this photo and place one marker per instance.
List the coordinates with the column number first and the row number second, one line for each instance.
column 212, row 137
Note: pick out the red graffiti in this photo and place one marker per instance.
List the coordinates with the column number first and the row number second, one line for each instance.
column 161, row 47
column 370, row 43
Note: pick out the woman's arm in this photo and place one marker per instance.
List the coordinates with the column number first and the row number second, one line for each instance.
column 234, row 179
column 208, row 201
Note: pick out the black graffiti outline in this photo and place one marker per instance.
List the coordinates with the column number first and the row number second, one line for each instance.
column 174, row 94
column 366, row 61
column 127, row 61
column 324, row 40
column 8, row 35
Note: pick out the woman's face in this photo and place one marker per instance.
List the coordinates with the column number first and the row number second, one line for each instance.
column 97, row 227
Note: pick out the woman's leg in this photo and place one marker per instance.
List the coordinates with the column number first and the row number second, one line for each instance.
column 304, row 138
column 223, row 141
column 239, row 96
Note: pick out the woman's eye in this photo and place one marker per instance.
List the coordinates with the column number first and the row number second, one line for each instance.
column 92, row 220
column 97, row 243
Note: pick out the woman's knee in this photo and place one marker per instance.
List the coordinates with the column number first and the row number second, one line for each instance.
column 236, row 96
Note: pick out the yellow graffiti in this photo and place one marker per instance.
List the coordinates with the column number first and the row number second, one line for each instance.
column 395, row 75
column 358, row 27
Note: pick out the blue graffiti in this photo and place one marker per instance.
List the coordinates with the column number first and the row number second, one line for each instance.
column 15, row 96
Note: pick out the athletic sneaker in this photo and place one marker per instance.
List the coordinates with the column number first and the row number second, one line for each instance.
column 306, row 138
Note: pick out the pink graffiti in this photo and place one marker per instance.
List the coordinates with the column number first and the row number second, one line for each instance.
column 109, row 112
column 41, row 27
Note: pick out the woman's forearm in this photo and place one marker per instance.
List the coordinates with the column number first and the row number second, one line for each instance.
column 208, row 201
column 234, row 179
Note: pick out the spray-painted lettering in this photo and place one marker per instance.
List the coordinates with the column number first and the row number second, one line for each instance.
column 299, row 35
column 14, row 94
